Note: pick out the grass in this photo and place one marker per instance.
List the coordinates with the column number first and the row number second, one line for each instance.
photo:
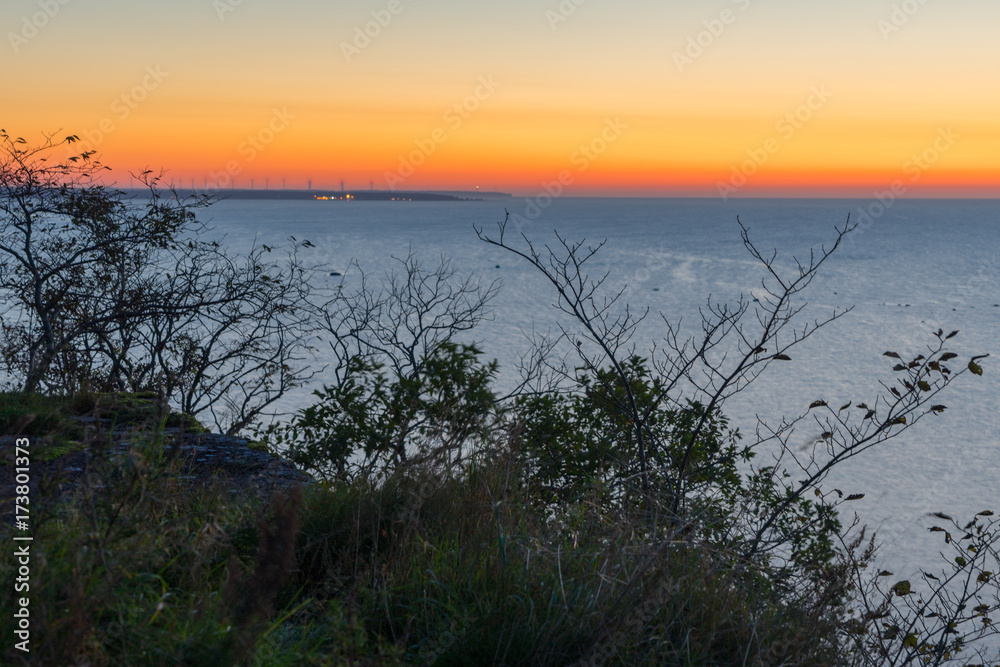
column 61, row 423
column 420, row 568
column 41, row 416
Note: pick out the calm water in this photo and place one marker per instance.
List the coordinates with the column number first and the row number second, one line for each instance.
column 919, row 266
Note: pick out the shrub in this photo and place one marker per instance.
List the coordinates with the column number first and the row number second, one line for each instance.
column 105, row 292
column 370, row 422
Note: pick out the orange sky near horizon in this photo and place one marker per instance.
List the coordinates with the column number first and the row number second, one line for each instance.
column 726, row 98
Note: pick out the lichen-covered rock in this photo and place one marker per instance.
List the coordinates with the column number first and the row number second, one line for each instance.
column 211, row 457
column 204, row 458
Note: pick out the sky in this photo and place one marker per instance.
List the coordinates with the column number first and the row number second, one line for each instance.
column 728, row 98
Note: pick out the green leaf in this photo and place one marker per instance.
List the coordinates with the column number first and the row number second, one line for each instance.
column 910, row 641
column 947, row 356
column 902, row 588
column 961, row 561
column 894, row 355
column 854, row 496
column 951, row 335
column 924, row 385
column 975, row 368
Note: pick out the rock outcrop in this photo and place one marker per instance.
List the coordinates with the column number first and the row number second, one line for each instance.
column 204, row 458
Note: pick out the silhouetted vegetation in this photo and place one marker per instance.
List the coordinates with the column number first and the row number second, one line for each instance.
column 102, row 293
column 604, row 511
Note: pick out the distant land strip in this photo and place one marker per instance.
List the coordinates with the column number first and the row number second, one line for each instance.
column 351, row 195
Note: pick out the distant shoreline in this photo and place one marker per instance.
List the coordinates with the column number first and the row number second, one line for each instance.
column 328, row 195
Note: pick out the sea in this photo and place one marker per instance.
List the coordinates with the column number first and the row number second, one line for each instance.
column 911, row 267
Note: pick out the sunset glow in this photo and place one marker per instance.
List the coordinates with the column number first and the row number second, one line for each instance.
column 631, row 98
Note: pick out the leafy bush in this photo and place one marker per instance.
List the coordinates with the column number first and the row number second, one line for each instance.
column 371, row 422
column 621, row 440
column 582, row 440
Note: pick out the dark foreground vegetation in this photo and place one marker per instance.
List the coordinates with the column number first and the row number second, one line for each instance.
column 601, row 511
